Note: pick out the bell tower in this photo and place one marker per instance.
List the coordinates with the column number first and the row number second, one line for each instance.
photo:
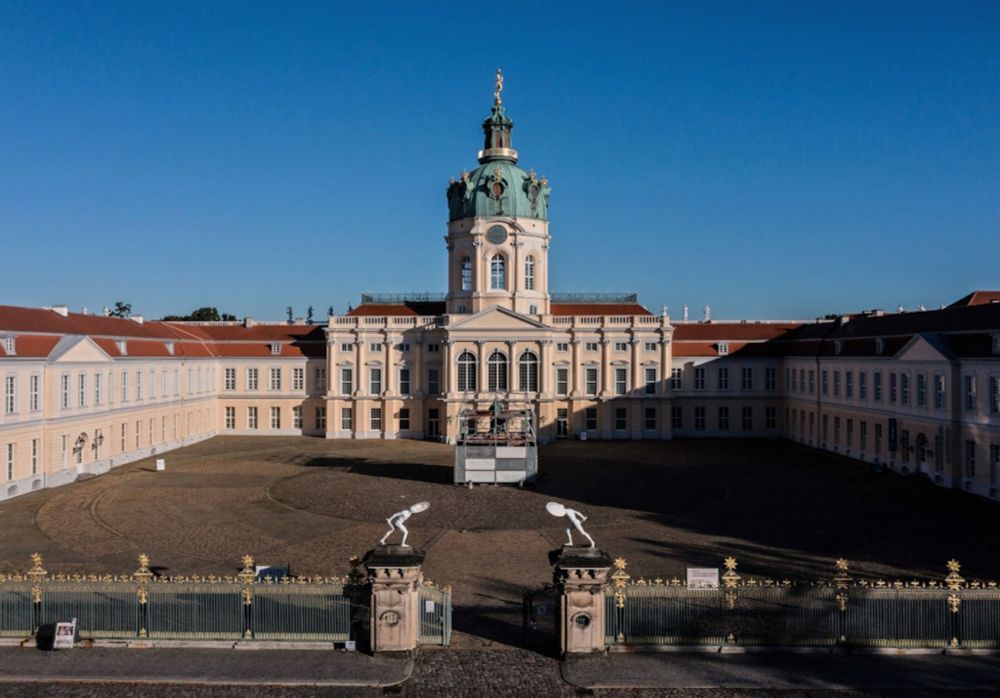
column 498, row 230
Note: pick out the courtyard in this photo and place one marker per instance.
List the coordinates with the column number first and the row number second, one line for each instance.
column 782, row 510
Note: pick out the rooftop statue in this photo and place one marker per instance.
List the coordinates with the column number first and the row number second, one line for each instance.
column 397, row 520
column 576, row 520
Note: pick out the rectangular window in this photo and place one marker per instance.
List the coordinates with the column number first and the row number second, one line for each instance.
column 723, row 419
column 319, row 378
column 562, row 381
column 275, row 417
column 433, row 381
column 836, row 431
column 376, row 419
column 298, row 379
column 651, row 346
column 274, row 379
column 771, row 379
column 81, row 384
column 10, row 395
column 297, row 417
column 403, row 347
column 812, row 381
column 138, row 431
column 747, row 418
column 824, row 378
column 699, row 378
column 746, row 379
column 994, row 464
column 699, row 419
column 252, row 378
column 10, row 461
column 229, row 379
column 404, row 419
column 64, row 387
column 904, row 388
column 374, row 347
column 878, row 439
column 34, row 393
column 152, row 383
column 650, row 374
column 893, row 388
column 138, row 385
column 649, row 419
column 621, row 419
column 790, row 380
column 591, row 380
column 994, row 394
column 723, row 379
column 862, row 385
column 621, row 346
column 590, row 346
column 251, row 418
column 921, row 390
column 849, row 385
column 375, row 381
column 433, row 347
column 850, row 433
column 863, row 436
column 877, row 386
column 177, row 382
column 621, row 381
column 971, row 401
column 404, row 381
column 938, row 391
column 346, row 381
column 676, row 417
column 770, row 418
column 346, row 418
column 346, row 346
column 34, row 456
column 836, row 383
column 590, row 419
column 970, row 459
column 676, row 378
column 562, row 346
column 230, row 418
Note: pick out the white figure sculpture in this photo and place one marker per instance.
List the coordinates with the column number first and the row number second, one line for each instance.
column 396, row 521
column 576, row 520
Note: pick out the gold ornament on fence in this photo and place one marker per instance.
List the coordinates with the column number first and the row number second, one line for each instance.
column 954, row 580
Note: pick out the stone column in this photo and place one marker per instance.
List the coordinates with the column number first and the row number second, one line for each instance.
column 638, row 384
column 417, row 370
column 394, row 576
column 581, row 577
column 605, row 387
column 388, row 384
column 448, row 369
column 482, row 380
column 575, row 389
column 546, row 374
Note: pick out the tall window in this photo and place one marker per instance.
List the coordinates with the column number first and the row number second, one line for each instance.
column 590, row 419
column 319, row 378
column 433, row 380
column 275, row 417
column 346, row 381
column 994, row 394
column 346, row 418
column 699, row 378
column 64, row 387
column 747, row 418
column 498, row 272
column 771, row 378
column 10, row 394
column 699, row 419
column 297, row 417
column 723, row 419
column 877, row 386
column 591, row 381
column 82, row 390
column 746, row 379
column 375, row 381
column 723, row 379
column 251, row 418
column 98, row 388
column 404, row 381
column 466, row 372
column 676, row 378
column 298, row 379
column 497, row 366
column 34, row 393
column 862, row 385
column 650, row 376
column 621, row 381
column 252, row 377
column 938, row 391
column 527, row 371
column 970, row 394
column 320, row 414
column 849, row 385
column 230, row 418
column 562, row 381
column 529, row 273
column 376, row 419
column 466, row 274
column 404, row 419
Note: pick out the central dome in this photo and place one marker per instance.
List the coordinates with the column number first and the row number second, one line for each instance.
column 498, row 187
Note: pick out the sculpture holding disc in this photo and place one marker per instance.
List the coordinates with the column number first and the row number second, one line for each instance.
column 576, row 520
column 397, row 521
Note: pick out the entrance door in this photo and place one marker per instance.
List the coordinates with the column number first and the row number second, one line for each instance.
column 562, row 423
column 433, row 423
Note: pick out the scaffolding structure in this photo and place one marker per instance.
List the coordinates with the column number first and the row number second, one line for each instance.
column 498, row 445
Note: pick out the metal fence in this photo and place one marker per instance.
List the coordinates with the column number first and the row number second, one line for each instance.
column 842, row 611
column 435, row 615
column 141, row 605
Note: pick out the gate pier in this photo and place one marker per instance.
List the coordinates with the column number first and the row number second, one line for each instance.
column 395, row 577
column 581, row 577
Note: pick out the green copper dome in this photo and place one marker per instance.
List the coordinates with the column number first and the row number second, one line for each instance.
column 498, row 187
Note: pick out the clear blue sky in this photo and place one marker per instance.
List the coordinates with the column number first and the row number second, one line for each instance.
column 773, row 160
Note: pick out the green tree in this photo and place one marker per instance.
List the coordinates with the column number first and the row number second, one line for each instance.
column 121, row 310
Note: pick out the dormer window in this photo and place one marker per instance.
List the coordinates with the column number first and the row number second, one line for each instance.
column 879, row 346
column 275, row 348
column 10, row 345
column 723, row 348
column 838, row 347
column 996, row 342
column 122, row 346
column 170, row 348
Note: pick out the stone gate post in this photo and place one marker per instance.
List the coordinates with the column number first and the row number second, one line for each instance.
column 395, row 576
column 581, row 577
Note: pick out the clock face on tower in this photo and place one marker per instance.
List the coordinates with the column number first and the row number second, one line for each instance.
column 497, row 234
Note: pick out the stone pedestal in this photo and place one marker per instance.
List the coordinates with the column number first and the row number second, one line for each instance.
column 395, row 576
column 581, row 576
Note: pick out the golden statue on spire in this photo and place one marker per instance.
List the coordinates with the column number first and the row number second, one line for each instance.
column 499, row 89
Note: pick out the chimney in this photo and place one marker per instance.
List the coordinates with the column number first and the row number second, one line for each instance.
column 60, row 310
column 138, row 318
column 249, row 322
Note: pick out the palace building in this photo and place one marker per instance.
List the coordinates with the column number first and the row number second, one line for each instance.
column 915, row 392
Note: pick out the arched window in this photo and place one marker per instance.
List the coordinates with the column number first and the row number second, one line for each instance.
column 528, row 372
column 466, row 372
column 498, row 272
column 466, row 274
column 498, row 372
column 529, row 274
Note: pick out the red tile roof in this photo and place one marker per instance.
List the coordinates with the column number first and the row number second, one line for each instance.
column 381, row 309
column 29, row 346
column 579, row 309
column 977, row 298
column 723, row 331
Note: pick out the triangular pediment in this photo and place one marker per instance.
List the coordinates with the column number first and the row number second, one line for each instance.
column 925, row 347
column 497, row 318
column 77, row 349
